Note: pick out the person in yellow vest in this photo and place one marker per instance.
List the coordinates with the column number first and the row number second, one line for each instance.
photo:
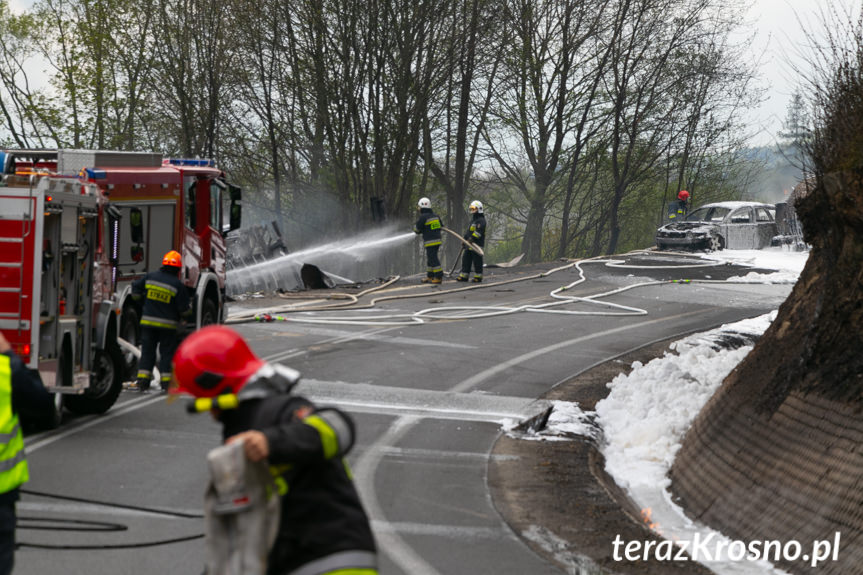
column 20, row 389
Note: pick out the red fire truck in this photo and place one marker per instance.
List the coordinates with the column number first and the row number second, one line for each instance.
column 162, row 205
column 55, row 300
column 141, row 208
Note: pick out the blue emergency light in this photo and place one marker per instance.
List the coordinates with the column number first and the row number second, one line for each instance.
column 94, row 174
column 199, row 162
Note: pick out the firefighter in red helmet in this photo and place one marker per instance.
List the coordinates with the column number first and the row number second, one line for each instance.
column 678, row 208
column 165, row 302
column 320, row 524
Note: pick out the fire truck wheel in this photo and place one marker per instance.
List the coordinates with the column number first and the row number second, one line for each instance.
column 44, row 421
column 209, row 313
column 106, row 385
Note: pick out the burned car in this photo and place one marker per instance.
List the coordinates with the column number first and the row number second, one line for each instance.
column 732, row 225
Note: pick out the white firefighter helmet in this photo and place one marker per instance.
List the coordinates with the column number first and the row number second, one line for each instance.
column 475, row 207
column 424, row 203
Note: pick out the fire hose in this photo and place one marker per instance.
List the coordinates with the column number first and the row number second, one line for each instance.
column 467, row 243
column 42, row 523
column 428, row 314
column 446, row 313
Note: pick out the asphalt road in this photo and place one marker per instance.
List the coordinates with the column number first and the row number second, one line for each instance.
column 121, row 493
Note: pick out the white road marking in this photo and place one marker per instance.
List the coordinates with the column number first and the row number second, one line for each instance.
column 40, row 440
column 486, row 374
column 458, row 532
column 365, row 335
column 423, row 403
column 392, row 544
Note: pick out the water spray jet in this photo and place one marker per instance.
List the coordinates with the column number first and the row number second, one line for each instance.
column 360, row 258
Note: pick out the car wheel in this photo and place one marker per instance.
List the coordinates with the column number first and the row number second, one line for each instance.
column 715, row 243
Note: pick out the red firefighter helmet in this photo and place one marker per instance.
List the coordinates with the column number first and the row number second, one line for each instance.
column 212, row 361
column 683, row 195
column 173, row 259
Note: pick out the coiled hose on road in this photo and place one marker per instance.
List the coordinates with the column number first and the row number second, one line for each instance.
column 471, row 312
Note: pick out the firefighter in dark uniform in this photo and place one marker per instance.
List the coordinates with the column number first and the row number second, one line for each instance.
column 165, row 303
column 429, row 225
column 323, row 528
column 678, row 208
column 475, row 234
column 20, row 391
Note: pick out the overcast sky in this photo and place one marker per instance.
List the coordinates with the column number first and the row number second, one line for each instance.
column 780, row 42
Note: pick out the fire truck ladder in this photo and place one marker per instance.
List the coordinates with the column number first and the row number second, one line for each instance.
column 12, row 271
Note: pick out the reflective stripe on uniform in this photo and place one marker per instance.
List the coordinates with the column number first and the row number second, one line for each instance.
column 13, row 463
column 7, row 437
column 329, row 438
column 8, row 464
column 160, row 292
column 277, row 472
column 342, row 563
column 160, row 286
column 152, row 321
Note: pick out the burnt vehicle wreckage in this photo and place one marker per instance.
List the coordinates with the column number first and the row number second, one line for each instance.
column 731, row 225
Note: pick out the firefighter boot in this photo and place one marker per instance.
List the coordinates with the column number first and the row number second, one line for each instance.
column 427, row 280
column 142, row 383
column 165, row 382
column 436, row 281
column 461, row 278
column 476, row 279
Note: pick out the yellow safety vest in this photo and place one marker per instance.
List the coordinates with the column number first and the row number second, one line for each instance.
column 13, row 465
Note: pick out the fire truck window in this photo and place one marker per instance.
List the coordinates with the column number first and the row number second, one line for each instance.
column 215, row 208
column 161, row 234
column 136, row 221
column 158, row 238
column 128, row 248
column 190, row 205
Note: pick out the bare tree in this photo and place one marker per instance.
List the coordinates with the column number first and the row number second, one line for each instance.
column 541, row 70
column 22, row 105
column 194, row 60
column 453, row 127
